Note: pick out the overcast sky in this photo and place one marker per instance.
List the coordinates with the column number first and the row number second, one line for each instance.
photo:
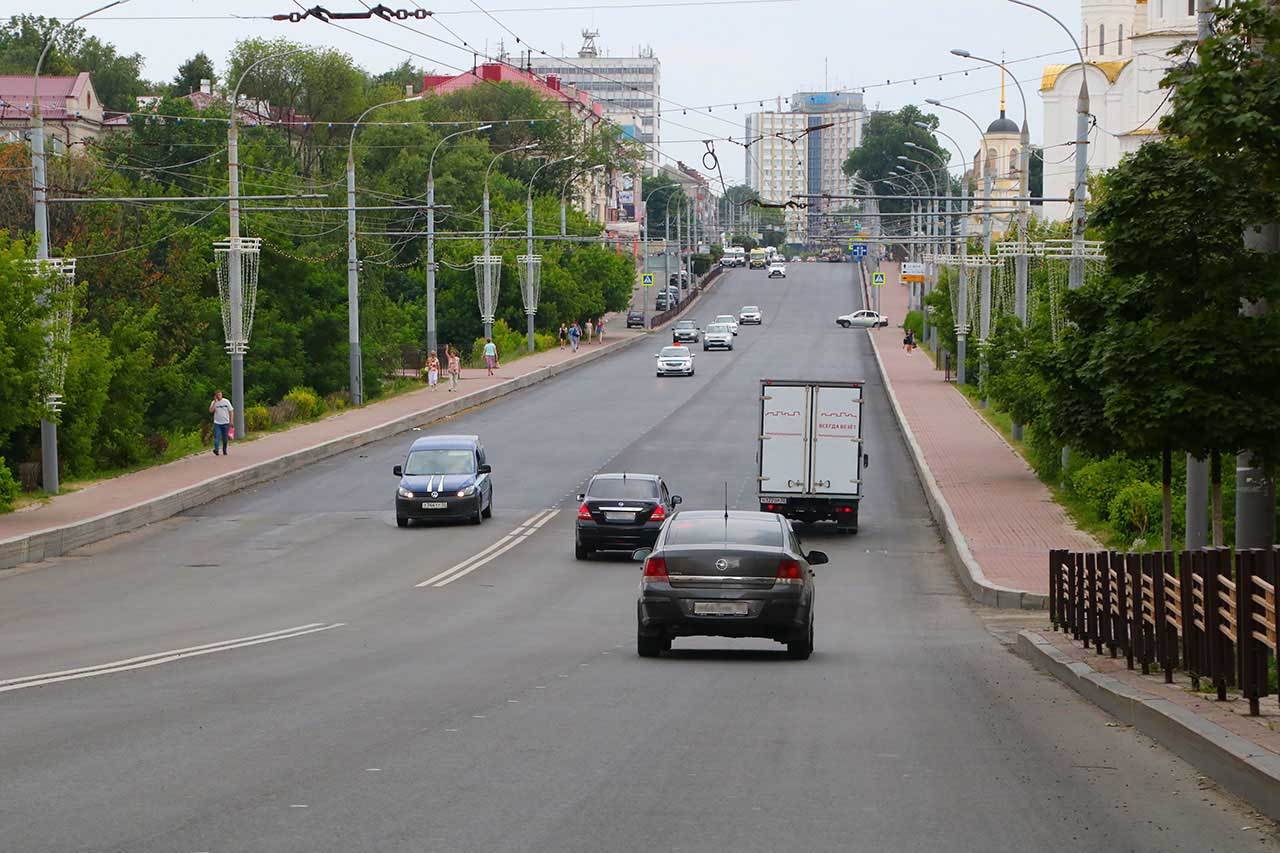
column 711, row 54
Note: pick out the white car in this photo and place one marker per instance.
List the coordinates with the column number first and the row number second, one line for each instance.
column 864, row 319
column 777, row 270
column 675, row 361
column 727, row 320
column 717, row 335
column 750, row 314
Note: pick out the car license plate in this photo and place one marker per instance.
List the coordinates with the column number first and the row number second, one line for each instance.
column 619, row 516
column 435, row 505
column 776, row 500
column 720, row 608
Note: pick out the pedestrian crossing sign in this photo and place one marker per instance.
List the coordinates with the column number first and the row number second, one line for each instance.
column 646, row 279
column 877, row 279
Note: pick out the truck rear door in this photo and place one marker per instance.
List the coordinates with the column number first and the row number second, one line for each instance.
column 836, row 464
column 784, row 439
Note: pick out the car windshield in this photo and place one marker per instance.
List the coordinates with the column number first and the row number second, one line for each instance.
column 685, row 324
column 440, row 462
column 709, row 530
column 675, row 352
column 718, row 328
column 616, row 488
column 749, row 309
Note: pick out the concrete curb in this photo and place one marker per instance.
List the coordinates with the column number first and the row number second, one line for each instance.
column 55, row 541
column 1240, row 766
column 959, row 556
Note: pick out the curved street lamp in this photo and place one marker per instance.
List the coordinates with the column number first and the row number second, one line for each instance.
column 432, row 342
column 531, row 306
column 564, row 191
column 488, row 236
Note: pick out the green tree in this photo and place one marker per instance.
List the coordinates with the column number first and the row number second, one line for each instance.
column 116, row 78
column 190, row 73
column 884, row 137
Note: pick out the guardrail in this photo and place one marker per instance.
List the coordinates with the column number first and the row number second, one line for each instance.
column 1211, row 612
column 695, row 290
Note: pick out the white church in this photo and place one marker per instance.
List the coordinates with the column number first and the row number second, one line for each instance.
column 1126, row 45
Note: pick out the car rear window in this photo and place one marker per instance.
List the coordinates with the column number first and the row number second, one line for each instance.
column 712, row 530
column 619, row 489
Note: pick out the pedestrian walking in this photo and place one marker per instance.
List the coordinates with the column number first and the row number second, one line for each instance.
column 909, row 341
column 591, row 330
column 575, row 334
column 454, row 365
column 600, row 329
column 490, row 355
column 564, row 335
column 222, row 411
column 433, row 371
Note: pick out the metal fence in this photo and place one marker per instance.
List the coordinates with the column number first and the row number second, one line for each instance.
column 695, row 290
column 1210, row 612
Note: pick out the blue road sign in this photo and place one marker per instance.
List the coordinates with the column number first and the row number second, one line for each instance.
column 859, row 250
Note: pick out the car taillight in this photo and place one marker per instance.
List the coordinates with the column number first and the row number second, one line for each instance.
column 658, row 513
column 789, row 571
column 584, row 513
column 655, row 569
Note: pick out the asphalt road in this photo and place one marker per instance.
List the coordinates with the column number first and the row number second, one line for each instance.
column 270, row 676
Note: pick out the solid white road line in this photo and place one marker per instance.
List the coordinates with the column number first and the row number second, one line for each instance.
column 497, row 549
column 144, row 661
column 466, row 566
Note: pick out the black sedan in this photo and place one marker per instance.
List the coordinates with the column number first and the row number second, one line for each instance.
column 726, row 574
column 621, row 512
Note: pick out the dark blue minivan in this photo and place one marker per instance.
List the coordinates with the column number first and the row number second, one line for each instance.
column 446, row 478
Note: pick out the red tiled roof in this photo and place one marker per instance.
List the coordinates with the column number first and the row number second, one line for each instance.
column 499, row 72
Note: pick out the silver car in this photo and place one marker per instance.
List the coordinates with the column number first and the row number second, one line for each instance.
column 717, row 335
column 674, row 361
column 750, row 315
column 727, row 320
column 864, row 319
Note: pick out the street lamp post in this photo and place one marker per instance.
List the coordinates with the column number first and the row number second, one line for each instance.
column 1021, row 260
column 531, row 306
column 1076, row 276
column 956, row 230
column 49, row 479
column 564, row 190
column 931, row 222
column 432, row 342
column 932, row 268
column 666, row 248
column 488, row 236
column 353, row 261
column 234, row 283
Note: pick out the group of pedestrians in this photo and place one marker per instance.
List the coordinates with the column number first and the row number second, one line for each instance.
column 573, row 334
column 453, row 368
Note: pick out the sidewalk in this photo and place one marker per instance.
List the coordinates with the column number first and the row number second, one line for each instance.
column 131, row 500
column 1006, row 518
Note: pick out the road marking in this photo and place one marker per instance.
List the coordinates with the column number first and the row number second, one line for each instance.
column 144, row 661
column 522, row 532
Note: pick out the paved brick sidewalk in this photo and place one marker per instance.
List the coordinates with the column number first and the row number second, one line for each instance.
column 1007, row 516
column 130, row 489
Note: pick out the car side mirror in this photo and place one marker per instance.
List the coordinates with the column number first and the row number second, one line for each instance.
column 485, row 469
column 641, row 554
column 817, row 558
column 676, row 500
column 398, row 470
column 582, row 497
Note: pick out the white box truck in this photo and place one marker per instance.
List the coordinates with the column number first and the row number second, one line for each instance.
column 811, row 452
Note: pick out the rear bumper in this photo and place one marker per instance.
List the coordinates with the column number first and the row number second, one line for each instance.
column 773, row 615
column 616, row 537
column 843, row 511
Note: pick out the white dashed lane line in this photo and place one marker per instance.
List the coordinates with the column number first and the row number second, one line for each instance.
column 493, row 552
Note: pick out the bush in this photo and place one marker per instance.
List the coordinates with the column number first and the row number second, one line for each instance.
column 257, row 418
column 8, row 487
column 308, row 402
column 1136, row 510
column 1098, row 482
column 283, row 412
column 156, row 443
column 915, row 322
column 336, row 401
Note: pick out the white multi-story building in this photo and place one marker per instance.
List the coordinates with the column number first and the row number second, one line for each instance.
column 1126, row 45
column 628, row 87
column 801, row 152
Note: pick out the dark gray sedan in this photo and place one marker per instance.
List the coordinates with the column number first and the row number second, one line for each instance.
column 726, row 574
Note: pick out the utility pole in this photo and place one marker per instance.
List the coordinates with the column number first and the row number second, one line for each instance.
column 962, row 298
column 984, row 305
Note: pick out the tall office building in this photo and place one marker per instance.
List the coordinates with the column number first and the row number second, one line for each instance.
column 629, row 88
column 801, row 151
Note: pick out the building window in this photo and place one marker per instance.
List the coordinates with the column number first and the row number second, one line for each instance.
column 1191, row 7
column 991, row 163
column 1102, row 39
column 1015, row 163
column 1120, row 40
